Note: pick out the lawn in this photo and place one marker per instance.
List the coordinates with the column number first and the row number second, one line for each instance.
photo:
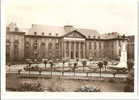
column 64, row 85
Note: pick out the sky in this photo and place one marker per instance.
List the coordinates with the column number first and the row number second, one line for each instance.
column 103, row 15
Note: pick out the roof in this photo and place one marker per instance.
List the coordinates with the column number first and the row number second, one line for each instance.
column 46, row 30
column 59, row 30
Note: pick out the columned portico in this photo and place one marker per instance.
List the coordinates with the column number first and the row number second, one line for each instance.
column 74, row 48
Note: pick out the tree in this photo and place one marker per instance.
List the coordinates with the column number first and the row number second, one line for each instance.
column 100, row 65
column 63, row 67
column 51, row 65
column 40, row 71
column 9, row 66
column 45, row 62
column 84, row 64
column 77, row 61
column 105, row 64
column 19, row 71
column 130, row 65
column 114, row 74
column 74, row 67
column 29, row 64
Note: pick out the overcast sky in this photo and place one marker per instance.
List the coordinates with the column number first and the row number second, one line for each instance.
column 108, row 16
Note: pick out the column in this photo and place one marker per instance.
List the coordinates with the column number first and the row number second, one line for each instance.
column 74, row 49
column 64, row 49
column 84, row 50
column 69, row 50
column 79, row 50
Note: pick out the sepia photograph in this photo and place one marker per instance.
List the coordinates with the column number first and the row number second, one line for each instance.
column 63, row 46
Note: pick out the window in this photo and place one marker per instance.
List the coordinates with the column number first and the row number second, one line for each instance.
column 7, row 28
column 50, row 34
column 56, row 34
column 98, row 37
column 7, row 50
column 42, row 50
column 35, row 44
column 43, row 33
column 50, row 45
column 35, row 33
column 16, row 29
column 16, row 42
column 89, row 36
column 94, row 37
column 27, row 44
column 56, row 45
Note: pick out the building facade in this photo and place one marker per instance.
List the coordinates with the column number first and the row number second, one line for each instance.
column 52, row 42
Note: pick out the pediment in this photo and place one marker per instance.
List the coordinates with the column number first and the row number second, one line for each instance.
column 74, row 34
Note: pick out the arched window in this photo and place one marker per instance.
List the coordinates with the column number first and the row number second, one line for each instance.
column 43, row 50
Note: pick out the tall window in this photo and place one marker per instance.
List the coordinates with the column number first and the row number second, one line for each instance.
column 43, row 50
column 57, row 49
column 35, row 46
column 27, row 51
column 50, row 50
column 16, row 53
column 56, row 45
column 8, row 43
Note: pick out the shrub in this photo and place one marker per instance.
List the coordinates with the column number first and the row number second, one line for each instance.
column 30, row 87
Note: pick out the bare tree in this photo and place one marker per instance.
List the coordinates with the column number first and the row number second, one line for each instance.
column 84, row 64
column 100, row 65
column 45, row 62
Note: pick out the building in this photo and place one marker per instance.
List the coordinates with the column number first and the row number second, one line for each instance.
column 55, row 42
column 130, row 47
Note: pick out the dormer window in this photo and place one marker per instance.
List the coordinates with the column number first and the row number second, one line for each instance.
column 50, row 34
column 98, row 37
column 43, row 33
column 7, row 28
column 35, row 33
column 16, row 29
column 56, row 34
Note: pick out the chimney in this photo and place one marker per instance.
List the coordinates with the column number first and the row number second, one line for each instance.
column 68, row 28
